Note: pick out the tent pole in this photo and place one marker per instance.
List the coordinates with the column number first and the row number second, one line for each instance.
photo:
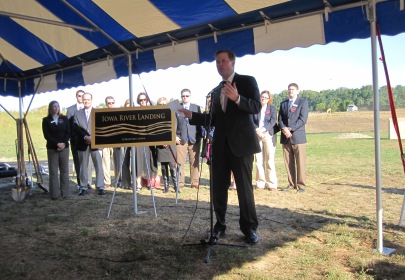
column 376, row 127
column 377, row 143
column 133, row 162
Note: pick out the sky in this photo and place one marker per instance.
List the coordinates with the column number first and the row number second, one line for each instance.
column 318, row 67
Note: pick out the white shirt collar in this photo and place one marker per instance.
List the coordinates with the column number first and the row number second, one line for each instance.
column 230, row 78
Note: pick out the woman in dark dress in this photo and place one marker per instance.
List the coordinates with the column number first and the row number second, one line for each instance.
column 166, row 156
column 145, row 158
column 56, row 130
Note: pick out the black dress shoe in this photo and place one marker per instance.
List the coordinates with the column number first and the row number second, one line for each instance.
column 101, row 192
column 252, row 237
column 82, row 192
column 219, row 233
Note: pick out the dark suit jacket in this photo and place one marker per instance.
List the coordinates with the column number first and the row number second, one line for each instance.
column 82, row 128
column 270, row 119
column 295, row 118
column 56, row 133
column 194, row 131
column 70, row 113
column 235, row 126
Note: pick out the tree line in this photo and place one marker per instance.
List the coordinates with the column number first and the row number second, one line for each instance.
column 338, row 99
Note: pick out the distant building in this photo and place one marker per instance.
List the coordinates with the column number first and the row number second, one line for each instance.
column 352, row 108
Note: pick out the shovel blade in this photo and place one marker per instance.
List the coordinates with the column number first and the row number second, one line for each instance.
column 18, row 193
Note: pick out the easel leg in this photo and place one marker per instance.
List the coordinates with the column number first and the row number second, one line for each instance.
column 401, row 218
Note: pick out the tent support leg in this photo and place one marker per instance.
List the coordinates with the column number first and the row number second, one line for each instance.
column 377, row 143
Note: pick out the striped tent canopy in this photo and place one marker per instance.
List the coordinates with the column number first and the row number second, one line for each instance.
column 47, row 45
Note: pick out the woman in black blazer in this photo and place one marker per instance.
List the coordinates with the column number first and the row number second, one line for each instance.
column 56, row 130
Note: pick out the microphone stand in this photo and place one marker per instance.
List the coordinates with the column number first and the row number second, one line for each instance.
column 212, row 240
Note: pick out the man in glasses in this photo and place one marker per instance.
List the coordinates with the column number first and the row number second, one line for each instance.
column 116, row 153
column 188, row 141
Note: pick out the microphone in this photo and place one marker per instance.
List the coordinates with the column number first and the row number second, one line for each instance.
column 217, row 88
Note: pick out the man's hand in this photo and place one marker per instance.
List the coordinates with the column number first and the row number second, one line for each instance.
column 230, row 91
column 60, row 146
column 187, row 113
column 287, row 133
column 87, row 140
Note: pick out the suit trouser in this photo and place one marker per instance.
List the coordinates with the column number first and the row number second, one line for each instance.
column 126, row 170
column 84, row 157
column 117, row 154
column 222, row 165
column 265, row 165
column 106, row 155
column 58, row 162
column 295, row 163
column 193, row 151
column 76, row 161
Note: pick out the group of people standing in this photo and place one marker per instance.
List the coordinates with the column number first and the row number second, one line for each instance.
column 291, row 120
column 245, row 124
column 74, row 130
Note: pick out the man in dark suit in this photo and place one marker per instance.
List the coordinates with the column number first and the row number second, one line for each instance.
column 234, row 143
column 188, row 141
column 73, row 140
column 82, row 127
column 292, row 117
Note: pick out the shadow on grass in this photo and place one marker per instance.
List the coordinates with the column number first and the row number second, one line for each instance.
column 384, row 270
column 387, row 190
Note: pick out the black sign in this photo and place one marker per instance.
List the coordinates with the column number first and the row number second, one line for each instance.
column 135, row 126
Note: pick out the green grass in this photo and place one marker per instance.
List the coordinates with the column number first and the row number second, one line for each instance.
column 327, row 233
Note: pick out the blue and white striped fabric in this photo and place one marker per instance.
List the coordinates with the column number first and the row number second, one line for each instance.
column 56, row 44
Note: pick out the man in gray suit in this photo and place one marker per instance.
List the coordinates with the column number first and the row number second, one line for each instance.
column 82, row 127
column 292, row 117
column 188, row 141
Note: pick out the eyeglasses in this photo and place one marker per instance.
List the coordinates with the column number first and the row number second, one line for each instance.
column 184, row 96
column 140, row 100
column 110, row 103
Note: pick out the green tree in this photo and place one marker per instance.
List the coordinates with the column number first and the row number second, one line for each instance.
column 320, row 107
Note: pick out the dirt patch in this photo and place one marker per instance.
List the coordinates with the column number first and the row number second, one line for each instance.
column 348, row 121
column 353, row 135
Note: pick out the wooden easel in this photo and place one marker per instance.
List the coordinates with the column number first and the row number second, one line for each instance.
column 22, row 188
